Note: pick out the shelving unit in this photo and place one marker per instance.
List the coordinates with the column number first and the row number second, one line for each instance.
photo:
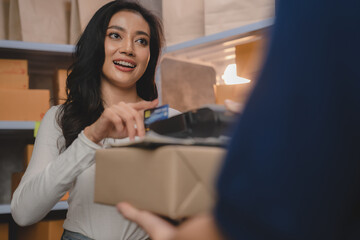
column 32, row 47
column 17, row 125
column 12, row 130
column 200, row 47
column 218, row 50
column 43, row 61
column 191, row 68
column 211, row 50
column 58, row 212
column 6, row 209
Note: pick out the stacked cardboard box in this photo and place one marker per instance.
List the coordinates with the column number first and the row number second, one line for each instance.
column 249, row 58
column 17, row 102
column 44, row 230
column 4, row 231
column 60, row 86
column 234, row 92
column 227, row 14
column 13, row 74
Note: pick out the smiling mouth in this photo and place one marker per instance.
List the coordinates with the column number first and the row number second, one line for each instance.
column 124, row 64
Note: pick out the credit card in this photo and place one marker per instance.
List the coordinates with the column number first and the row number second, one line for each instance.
column 155, row 114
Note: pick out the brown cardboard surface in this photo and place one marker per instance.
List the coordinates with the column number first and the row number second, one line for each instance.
column 44, row 230
column 39, row 21
column 80, row 15
column 14, row 81
column 249, row 58
column 4, row 231
column 174, row 181
column 60, row 86
column 65, row 197
column 181, row 22
column 23, row 105
column 227, row 14
column 235, row 92
column 185, row 85
column 28, row 152
column 4, row 19
column 15, row 180
column 82, row 11
column 10, row 66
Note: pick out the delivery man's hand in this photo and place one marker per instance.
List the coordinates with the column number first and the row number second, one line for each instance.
column 119, row 121
column 201, row 227
column 233, row 107
column 156, row 227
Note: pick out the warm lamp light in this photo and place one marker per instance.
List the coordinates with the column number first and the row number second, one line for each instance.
column 230, row 76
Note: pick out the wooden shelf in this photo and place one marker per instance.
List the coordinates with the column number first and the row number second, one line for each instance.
column 17, row 125
column 6, row 208
column 37, row 47
column 218, row 45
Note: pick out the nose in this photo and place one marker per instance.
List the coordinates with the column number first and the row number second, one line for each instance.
column 127, row 47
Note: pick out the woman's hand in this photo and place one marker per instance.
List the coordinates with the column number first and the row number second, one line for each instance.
column 119, row 121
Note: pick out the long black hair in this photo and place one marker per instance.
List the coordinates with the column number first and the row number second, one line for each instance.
column 84, row 103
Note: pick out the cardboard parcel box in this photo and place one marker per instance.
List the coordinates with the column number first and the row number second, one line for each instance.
column 173, row 181
column 23, row 105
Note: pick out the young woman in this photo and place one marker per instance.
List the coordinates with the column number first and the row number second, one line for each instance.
column 110, row 84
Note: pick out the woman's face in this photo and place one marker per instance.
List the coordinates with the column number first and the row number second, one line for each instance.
column 127, row 50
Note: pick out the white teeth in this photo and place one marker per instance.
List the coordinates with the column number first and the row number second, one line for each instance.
column 125, row 64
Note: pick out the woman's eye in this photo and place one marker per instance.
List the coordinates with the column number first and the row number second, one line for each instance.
column 114, row 35
column 142, row 41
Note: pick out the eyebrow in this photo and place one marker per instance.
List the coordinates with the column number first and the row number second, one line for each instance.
column 123, row 30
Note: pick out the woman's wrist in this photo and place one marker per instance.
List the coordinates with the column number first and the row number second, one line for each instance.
column 89, row 135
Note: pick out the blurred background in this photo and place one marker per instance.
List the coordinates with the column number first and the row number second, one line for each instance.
column 214, row 50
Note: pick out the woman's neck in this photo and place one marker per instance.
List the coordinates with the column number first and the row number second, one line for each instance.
column 112, row 94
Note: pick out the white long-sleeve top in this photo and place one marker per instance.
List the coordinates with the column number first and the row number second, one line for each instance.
column 51, row 174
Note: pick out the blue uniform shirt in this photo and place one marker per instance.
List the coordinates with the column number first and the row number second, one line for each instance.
column 293, row 166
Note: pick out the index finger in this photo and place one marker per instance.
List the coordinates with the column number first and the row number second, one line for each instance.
column 143, row 105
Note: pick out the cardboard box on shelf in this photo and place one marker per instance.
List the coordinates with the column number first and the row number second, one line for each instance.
column 181, row 78
column 182, row 23
column 14, row 81
column 60, row 86
column 4, row 231
column 44, row 230
column 15, row 180
column 28, row 152
column 65, row 197
column 39, row 21
column 227, row 14
column 235, row 92
column 4, row 28
column 14, row 66
column 174, row 181
column 249, row 57
column 23, row 105
column 80, row 15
